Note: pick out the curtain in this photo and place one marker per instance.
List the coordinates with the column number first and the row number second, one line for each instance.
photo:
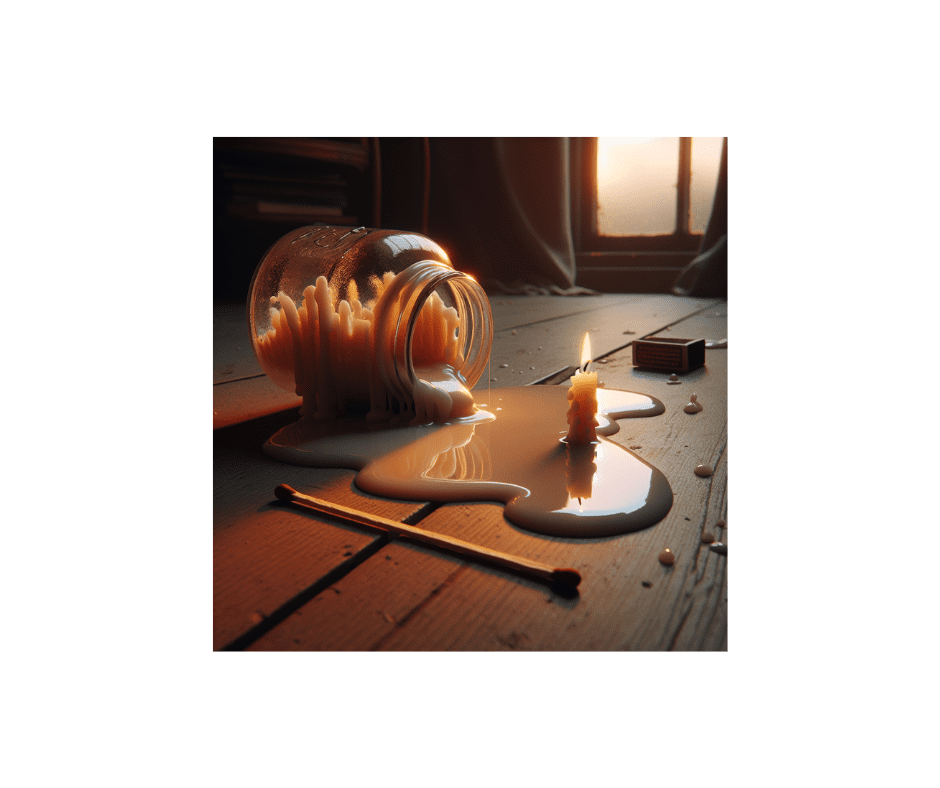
column 707, row 274
column 501, row 207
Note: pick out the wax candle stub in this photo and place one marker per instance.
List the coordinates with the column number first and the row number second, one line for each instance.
column 582, row 396
column 582, row 411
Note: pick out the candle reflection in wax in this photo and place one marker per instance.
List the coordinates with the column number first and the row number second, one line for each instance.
column 580, row 469
column 512, row 458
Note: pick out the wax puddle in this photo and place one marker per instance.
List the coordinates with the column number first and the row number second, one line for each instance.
column 507, row 452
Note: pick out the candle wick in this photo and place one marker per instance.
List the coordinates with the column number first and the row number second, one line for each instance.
column 579, row 500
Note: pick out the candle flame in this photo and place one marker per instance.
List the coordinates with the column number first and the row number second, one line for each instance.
column 585, row 352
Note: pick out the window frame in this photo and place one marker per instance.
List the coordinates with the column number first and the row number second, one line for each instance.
column 636, row 263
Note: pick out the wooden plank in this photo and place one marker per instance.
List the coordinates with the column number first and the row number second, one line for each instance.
column 406, row 598
column 241, row 391
column 352, row 615
column 548, row 335
column 243, row 400
column 536, row 349
column 267, row 554
column 232, row 356
column 512, row 311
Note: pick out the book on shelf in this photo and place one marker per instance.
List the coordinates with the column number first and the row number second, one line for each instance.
column 350, row 151
column 276, row 192
column 299, row 210
column 265, row 210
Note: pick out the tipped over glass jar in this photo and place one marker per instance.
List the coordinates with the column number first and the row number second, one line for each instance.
column 367, row 321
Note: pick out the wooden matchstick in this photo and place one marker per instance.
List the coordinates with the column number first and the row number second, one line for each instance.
column 564, row 577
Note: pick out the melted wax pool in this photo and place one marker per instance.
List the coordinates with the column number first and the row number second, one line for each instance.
column 513, row 452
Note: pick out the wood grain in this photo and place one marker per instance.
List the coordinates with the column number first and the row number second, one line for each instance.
column 267, row 555
column 406, row 598
column 539, row 347
column 548, row 335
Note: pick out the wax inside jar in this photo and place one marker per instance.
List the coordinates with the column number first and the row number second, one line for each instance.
column 325, row 349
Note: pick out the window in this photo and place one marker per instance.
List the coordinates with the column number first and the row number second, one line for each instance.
column 641, row 205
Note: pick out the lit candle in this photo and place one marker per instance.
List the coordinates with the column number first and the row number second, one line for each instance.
column 582, row 395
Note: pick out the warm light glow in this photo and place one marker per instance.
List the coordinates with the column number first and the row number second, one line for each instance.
column 636, row 184
column 610, row 156
column 585, row 352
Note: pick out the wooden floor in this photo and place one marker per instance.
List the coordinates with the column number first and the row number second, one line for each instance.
column 288, row 579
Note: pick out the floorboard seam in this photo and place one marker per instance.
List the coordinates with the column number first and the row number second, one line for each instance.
column 448, row 581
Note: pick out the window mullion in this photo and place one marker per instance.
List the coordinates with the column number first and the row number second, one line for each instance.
column 683, row 186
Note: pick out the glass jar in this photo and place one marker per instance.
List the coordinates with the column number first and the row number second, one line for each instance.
column 359, row 320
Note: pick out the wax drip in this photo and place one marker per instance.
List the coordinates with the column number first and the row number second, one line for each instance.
column 694, row 405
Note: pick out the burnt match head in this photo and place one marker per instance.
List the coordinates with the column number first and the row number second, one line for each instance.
column 285, row 492
column 566, row 577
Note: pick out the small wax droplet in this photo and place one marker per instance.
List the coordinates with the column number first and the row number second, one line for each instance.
column 629, row 332
column 514, row 333
column 673, row 376
column 503, row 366
column 647, row 584
column 667, row 557
column 492, row 380
column 704, row 470
column 540, row 347
column 721, row 524
column 719, row 547
column 531, row 367
column 708, row 538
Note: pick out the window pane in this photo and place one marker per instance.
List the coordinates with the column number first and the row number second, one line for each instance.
column 636, row 185
column 706, row 159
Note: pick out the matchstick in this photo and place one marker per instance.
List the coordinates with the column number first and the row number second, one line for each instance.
column 564, row 577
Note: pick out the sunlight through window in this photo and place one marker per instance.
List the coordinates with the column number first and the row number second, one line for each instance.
column 637, row 184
